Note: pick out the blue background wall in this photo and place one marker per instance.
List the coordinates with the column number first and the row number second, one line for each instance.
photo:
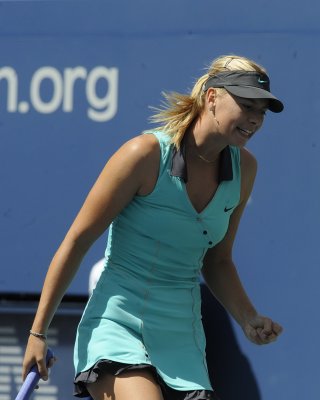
column 50, row 154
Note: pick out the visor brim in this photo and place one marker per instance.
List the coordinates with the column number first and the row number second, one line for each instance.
column 251, row 92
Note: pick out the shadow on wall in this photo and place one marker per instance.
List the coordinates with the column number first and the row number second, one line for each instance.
column 229, row 370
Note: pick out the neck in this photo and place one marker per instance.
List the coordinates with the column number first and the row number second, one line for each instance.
column 206, row 148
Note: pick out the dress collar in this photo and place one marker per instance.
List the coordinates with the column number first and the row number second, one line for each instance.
column 179, row 166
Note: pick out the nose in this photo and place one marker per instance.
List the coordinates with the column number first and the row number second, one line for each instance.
column 256, row 118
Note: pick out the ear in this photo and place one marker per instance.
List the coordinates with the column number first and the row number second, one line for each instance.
column 211, row 95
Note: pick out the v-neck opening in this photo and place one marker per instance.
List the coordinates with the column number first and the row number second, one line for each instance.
column 211, row 201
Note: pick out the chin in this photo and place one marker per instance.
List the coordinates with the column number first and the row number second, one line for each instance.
column 239, row 143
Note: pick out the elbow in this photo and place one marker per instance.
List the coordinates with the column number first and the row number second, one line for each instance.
column 213, row 267
column 80, row 242
column 207, row 272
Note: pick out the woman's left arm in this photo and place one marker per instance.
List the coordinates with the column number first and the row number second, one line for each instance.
column 221, row 276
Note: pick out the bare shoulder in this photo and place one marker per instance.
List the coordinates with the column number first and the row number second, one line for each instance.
column 137, row 156
column 248, row 162
column 141, row 147
column 248, row 173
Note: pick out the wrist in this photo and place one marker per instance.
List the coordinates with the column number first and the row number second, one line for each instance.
column 246, row 317
column 38, row 335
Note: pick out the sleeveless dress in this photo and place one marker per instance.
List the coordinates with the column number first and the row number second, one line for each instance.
column 146, row 307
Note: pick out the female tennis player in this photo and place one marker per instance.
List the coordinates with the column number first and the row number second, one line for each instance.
column 173, row 198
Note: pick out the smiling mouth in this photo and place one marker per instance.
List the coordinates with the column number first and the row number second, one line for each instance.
column 245, row 133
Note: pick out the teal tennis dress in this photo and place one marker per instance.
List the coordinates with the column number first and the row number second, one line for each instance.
column 146, row 307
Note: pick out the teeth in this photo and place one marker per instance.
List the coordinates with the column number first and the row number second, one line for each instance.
column 248, row 133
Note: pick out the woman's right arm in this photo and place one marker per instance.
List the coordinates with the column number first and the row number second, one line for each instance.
column 122, row 178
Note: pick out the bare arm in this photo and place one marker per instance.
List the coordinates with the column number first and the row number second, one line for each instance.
column 221, row 275
column 122, row 178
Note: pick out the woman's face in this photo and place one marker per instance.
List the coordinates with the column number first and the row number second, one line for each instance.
column 237, row 118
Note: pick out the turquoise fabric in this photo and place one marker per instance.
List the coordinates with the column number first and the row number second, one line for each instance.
column 146, row 307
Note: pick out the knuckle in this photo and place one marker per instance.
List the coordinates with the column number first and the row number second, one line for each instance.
column 39, row 360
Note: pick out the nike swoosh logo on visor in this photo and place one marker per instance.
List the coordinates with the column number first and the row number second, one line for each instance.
column 262, row 81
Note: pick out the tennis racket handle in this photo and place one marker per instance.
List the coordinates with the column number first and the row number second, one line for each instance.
column 31, row 380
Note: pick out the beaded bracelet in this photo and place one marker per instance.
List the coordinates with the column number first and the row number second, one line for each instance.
column 38, row 335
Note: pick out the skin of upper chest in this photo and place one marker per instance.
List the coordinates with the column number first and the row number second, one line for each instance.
column 202, row 184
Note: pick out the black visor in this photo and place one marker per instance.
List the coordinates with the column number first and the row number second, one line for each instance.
column 246, row 84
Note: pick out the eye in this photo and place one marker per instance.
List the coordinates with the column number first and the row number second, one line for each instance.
column 261, row 111
column 252, row 108
column 246, row 106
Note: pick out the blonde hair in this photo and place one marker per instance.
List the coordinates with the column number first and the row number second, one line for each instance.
column 178, row 111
